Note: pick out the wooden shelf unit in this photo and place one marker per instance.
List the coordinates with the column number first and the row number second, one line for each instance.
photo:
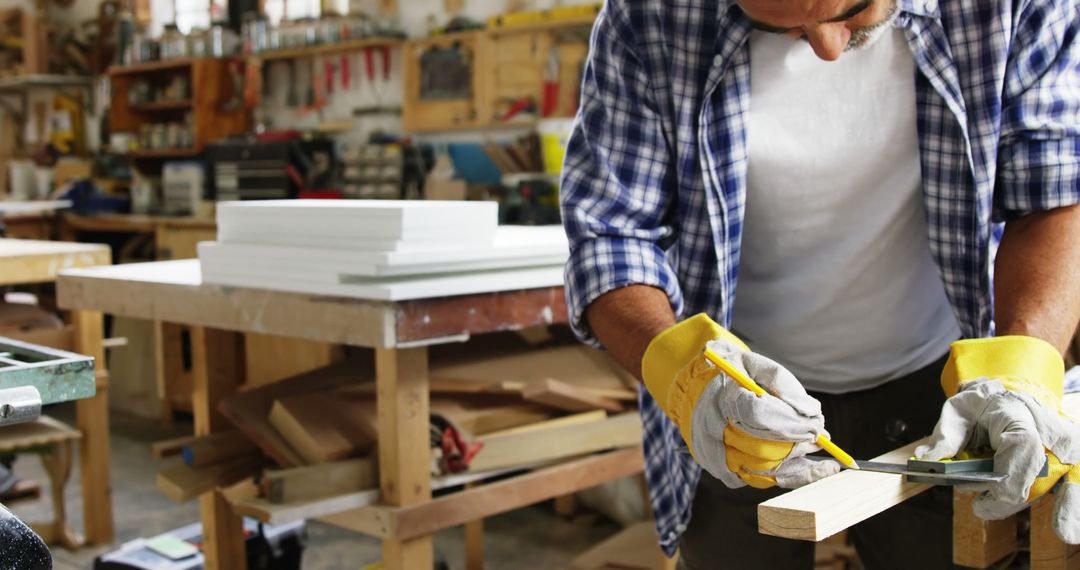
column 162, row 65
column 163, row 106
column 33, row 34
column 508, row 64
column 211, row 86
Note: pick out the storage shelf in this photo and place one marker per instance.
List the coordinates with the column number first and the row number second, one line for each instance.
column 34, row 81
column 325, row 49
column 164, row 153
column 163, row 106
column 163, row 65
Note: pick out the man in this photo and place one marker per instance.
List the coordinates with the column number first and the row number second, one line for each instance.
column 850, row 165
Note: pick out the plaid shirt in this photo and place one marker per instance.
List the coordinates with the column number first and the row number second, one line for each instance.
column 654, row 182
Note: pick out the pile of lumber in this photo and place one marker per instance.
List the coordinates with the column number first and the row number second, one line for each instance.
column 311, row 439
column 384, row 250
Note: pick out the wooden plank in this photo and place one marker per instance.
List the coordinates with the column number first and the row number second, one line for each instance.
column 29, row 261
column 633, row 548
column 320, row 481
column 170, row 447
column 217, row 370
column 249, row 410
column 451, row 510
column 474, row 541
column 567, row 441
column 575, row 419
column 563, row 396
column 92, row 420
column 828, row 506
column 322, row 427
column 404, row 454
column 1048, row 552
column 216, row 448
column 182, row 483
column 979, row 543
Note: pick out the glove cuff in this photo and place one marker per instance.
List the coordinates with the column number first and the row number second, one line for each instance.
column 677, row 348
column 1022, row 363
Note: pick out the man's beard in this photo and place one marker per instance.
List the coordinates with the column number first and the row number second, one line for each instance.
column 866, row 36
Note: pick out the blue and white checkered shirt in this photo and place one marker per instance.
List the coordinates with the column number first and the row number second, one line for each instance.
column 654, row 182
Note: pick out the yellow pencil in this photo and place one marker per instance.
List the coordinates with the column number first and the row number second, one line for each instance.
column 745, row 381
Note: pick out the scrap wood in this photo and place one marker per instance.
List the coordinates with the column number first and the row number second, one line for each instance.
column 633, row 548
column 216, row 448
column 833, row 504
column 322, row 427
column 250, row 410
column 563, row 396
column 559, row 442
column 583, row 417
column 476, row 413
column 181, row 483
column 320, row 481
column 577, row 365
column 264, row 510
column 170, row 447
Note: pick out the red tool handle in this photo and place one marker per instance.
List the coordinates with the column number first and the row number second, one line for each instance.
column 386, row 63
column 328, row 68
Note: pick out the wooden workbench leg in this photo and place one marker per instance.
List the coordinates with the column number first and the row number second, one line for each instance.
column 217, row 369
column 401, row 377
column 92, row 418
column 474, row 542
column 168, row 365
column 978, row 543
column 1047, row 550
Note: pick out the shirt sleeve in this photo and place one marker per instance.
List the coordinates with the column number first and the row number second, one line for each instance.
column 616, row 189
column 1039, row 157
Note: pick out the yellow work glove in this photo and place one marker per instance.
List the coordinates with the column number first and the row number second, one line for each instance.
column 738, row 437
column 1005, row 393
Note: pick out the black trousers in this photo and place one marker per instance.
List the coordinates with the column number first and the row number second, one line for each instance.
column 723, row 534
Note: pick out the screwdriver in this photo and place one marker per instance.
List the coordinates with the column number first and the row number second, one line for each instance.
column 745, row 381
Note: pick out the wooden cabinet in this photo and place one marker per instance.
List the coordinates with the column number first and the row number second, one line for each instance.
column 211, row 101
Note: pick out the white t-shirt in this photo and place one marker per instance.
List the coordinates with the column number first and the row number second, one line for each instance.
column 836, row 281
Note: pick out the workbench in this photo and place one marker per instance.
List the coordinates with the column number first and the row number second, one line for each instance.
column 26, row 262
column 399, row 332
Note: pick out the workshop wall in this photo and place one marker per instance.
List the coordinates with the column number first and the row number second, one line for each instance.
column 416, row 18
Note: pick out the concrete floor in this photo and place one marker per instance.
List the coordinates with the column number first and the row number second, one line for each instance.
column 528, row 539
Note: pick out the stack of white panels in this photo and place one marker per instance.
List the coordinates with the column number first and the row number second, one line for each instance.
column 378, row 249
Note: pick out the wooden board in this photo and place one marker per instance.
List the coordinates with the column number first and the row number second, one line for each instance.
column 29, row 261
column 979, row 543
column 577, row 365
column 556, row 443
column 170, row 447
column 1048, row 552
column 563, row 396
column 182, row 483
column 322, row 427
column 216, row 448
column 828, row 506
column 633, row 548
column 249, row 410
column 320, row 481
